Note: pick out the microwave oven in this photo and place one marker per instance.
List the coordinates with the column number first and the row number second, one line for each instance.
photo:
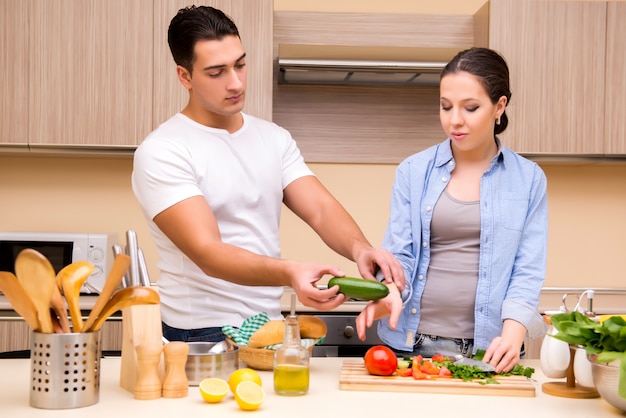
column 62, row 249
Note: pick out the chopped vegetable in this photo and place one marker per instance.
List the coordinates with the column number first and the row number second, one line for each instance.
column 440, row 367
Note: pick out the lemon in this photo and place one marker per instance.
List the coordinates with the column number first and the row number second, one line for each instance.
column 249, row 395
column 242, row 375
column 213, row 389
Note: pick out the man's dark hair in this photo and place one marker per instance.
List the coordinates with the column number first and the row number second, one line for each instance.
column 193, row 24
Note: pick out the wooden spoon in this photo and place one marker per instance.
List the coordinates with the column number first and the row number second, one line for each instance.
column 136, row 295
column 71, row 278
column 118, row 270
column 33, row 271
column 19, row 299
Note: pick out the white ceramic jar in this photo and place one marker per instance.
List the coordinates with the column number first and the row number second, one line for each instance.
column 554, row 356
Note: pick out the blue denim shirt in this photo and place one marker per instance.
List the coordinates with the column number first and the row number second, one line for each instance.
column 513, row 241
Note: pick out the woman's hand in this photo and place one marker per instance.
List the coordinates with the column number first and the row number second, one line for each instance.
column 504, row 351
column 391, row 306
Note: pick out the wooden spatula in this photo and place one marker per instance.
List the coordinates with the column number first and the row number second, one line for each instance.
column 33, row 272
column 19, row 299
column 118, row 270
column 129, row 296
column 71, row 278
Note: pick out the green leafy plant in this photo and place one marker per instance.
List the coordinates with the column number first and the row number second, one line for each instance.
column 606, row 339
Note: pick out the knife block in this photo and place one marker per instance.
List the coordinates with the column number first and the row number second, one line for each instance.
column 141, row 326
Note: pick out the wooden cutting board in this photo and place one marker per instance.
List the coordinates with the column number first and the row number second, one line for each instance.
column 353, row 376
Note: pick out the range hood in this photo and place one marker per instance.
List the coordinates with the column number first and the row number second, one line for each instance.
column 359, row 72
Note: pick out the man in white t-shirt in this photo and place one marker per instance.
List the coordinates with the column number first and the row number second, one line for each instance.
column 211, row 182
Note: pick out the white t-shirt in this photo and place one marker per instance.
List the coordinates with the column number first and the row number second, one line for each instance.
column 242, row 176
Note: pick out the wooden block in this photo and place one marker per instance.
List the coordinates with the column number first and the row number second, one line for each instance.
column 141, row 325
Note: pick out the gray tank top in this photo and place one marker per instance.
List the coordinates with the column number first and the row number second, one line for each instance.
column 447, row 304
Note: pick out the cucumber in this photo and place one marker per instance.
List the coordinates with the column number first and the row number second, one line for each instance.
column 360, row 289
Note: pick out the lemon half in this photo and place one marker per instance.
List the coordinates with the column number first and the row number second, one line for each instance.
column 249, row 395
column 241, row 375
column 213, row 389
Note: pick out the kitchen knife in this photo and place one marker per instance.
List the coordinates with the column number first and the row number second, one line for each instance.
column 144, row 276
column 132, row 251
column 459, row 359
column 117, row 249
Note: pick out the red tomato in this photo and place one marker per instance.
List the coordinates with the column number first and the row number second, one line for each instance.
column 381, row 361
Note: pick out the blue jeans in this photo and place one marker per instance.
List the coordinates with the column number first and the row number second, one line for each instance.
column 211, row 334
column 429, row 345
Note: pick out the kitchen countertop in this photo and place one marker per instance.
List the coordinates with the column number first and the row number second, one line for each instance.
column 324, row 399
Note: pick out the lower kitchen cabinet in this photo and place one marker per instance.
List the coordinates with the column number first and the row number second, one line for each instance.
column 15, row 335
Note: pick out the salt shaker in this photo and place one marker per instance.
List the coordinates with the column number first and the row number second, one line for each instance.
column 148, row 385
column 175, row 383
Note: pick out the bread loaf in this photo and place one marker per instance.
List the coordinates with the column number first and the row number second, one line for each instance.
column 273, row 332
column 311, row 326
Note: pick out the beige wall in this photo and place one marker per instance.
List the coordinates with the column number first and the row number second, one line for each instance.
column 586, row 201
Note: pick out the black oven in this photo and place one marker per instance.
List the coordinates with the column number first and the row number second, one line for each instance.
column 341, row 338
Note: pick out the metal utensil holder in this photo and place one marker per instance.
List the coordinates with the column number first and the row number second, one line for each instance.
column 65, row 370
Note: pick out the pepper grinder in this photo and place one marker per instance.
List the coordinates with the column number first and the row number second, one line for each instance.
column 175, row 383
column 148, row 385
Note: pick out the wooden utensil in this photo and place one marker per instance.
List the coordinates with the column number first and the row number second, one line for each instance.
column 33, row 272
column 58, row 307
column 19, row 299
column 118, row 270
column 354, row 376
column 71, row 278
column 136, row 295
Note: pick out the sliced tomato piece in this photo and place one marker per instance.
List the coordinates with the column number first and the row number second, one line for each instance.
column 429, row 368
column 444, row 372
column 418, row 375
column 406, row 372
column 438, row 358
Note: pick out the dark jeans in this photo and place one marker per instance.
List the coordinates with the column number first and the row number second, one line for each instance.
column 211, row 334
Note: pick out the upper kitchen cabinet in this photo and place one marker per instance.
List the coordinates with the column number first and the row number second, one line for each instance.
column 254, row 22
column 567, row 75
column 367, row 123
column 98, row 75
column 90, row 72
column 615, row 110
column 13, row 65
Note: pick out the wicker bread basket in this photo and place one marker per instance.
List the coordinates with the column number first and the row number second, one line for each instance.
column 258, row 358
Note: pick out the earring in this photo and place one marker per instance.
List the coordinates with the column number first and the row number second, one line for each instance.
column 498, row 121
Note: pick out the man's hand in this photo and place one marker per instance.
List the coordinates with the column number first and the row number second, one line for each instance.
column 305, row 276
column 371, row 260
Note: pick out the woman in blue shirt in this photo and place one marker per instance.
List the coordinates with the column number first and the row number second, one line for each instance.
column 468, row 222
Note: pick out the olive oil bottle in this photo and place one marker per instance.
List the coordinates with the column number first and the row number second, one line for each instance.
column 291, row 362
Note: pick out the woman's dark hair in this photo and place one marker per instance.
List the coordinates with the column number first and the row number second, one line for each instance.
column 193, row 24
column 491, row 70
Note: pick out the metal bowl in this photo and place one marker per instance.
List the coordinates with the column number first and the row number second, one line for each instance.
column 202, row 364
column 606, row 379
